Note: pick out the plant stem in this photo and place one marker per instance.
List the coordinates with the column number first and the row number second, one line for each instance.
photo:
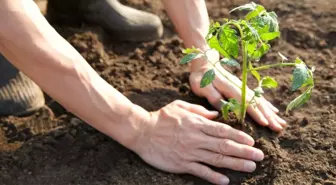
column 271, row 65
column 251, row 101
column 244, row 80
column 243, row 105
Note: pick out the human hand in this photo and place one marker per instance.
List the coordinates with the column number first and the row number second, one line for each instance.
column 180, row 136
column 263, row 113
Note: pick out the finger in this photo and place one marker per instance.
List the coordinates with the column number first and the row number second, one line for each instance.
column 213, row 96
column 257, row 115
column 223, row 161
column 221, row 130
column 197, row 109
column 270, row 105
column 232, row 148
column 206, row 173
column 281, row 121
column 270, row 116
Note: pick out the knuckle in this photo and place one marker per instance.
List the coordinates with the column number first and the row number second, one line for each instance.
column 218, row 160
column 214, row 98
column 225, row 146
column 205, row 173
column 223, row 129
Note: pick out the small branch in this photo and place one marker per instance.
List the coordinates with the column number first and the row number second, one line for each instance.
column 272, row 65
column 225, row 76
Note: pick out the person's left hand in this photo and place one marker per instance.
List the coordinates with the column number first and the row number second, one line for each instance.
column 264, row 112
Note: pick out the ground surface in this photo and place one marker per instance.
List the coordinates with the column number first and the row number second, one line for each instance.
column 67, row 151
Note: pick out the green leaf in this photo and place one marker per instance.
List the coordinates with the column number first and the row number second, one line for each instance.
column 214, row 44
column 298, row 61
column 259, row 9
column 254, row 72
column 207, row 78
column 230, row 62
column 191, row 50
column 269, row 36
column 258, row 53
column 235, row 107
column 268, row 82
column 250, row 6
column 229, row 41
column 188, row 58
column 274, row 24
column 300, row 100
column 300, row 76
column 265, row 23
column 225, row 109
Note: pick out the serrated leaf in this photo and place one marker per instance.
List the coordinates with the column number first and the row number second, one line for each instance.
column 229, row 62
column 229, row 41
column 250, row 6
column 259, row 52
column 250, row 31
column 214, row 44
column 300, row 100
column 188, row 58
column 254, row 72
column 269, row 36
column 208, row 77
column 274, row 24
column 265, row 23
column 259, row 9
column 300, row 76
column 268, row 82
column 191, row 50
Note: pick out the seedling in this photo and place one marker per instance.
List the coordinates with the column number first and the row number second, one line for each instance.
column 249, row 39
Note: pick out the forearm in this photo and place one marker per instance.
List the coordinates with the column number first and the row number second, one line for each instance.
column 191, row 21
column 33, row 46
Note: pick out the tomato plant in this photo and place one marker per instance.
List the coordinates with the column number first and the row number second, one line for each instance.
column 248, row 39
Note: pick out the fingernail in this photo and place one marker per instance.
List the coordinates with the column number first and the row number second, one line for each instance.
column 265, row 121
column 283, row 121
column 258, row 155
column 224, row 181
column 249, row 166
column 278, row 127
column 214, row 112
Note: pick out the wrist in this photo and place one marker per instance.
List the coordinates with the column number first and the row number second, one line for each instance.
column 132, row 127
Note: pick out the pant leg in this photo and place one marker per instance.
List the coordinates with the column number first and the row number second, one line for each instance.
column 18, row 94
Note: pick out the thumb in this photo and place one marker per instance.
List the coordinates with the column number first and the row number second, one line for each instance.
column 198, row 109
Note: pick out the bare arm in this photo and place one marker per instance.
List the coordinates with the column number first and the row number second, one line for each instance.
column 191, row 20
column 160, row 138
column 34, row 47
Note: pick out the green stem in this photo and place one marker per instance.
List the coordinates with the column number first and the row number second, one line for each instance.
column 244, row 75
column 252, row 99
column 272, row 65
column 244, row 80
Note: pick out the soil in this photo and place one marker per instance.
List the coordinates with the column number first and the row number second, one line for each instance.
column 54, row 147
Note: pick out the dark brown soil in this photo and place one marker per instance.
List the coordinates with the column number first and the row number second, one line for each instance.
column 56, row 148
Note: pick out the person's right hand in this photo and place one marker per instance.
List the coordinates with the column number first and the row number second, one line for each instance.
column 180, row 137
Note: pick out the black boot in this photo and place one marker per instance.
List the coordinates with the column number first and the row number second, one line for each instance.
column 120, row 21
column 18, row 94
